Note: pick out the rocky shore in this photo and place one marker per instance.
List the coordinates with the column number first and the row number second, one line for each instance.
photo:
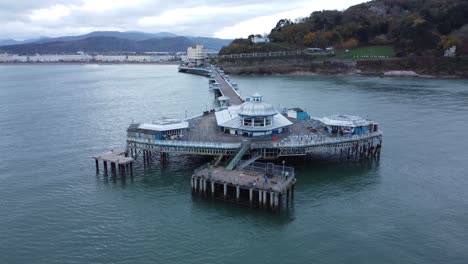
column 422, row 67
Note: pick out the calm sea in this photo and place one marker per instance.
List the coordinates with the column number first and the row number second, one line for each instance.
column 412, row 207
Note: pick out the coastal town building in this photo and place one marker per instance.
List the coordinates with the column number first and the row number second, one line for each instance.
column 83, row 57
column 5, row 57
column 257, row 40
column 451, row 52
column 197, row 54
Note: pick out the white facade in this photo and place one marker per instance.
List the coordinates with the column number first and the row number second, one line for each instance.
column 260, row 40
column 139, row 58
column 12, row 58
column 450, row 52
column 60, row 58
column 111, row 58
column 197, row 53
column 82, row 57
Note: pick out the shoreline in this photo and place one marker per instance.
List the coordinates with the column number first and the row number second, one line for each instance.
column 90, row 63
column 420, row 67
column 344, row 74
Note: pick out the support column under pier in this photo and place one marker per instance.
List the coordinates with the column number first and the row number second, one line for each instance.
column 225, row 191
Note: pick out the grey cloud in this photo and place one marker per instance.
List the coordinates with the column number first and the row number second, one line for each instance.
column 15, row 23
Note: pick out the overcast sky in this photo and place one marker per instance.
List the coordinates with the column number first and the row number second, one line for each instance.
column 22, row 19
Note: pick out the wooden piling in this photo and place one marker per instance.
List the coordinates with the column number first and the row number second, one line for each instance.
column 271, row 199
column 225, row 191
column 97, row 165
column 113, row 169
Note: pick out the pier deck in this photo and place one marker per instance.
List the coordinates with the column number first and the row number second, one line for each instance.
column 226, row 89
column 247, row 186
column 247, row 178
column 115, row 157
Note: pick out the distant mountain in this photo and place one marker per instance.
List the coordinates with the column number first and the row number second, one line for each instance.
column 107, row 44
column 130, row 35
column 4, row 42
column 112, row 41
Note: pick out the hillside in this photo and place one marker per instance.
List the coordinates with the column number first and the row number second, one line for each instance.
column 414, row 27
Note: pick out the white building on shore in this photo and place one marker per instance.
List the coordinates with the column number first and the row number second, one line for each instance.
column 257, row 40
column 197, row 54
column 83, row 57
column 5, row 57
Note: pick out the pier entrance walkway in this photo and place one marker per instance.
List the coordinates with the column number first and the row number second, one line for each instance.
column 226, row 88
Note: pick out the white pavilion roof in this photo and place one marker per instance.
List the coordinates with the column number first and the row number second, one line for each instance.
column 230, row 118
column 344, row 121
column 165, row 125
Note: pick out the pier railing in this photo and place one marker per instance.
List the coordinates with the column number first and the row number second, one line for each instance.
column 326, row 140
column 263, row 54
column 230, row 85
column 182, row 143
column 283, row 172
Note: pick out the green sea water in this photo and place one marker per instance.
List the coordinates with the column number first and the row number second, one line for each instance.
column 411, row 207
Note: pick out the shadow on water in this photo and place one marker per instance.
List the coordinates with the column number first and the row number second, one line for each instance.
column 157, row 175
column 316, row 179
column 231, row 210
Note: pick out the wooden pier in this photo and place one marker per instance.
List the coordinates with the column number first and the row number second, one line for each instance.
column 224, row 135
column 118, row 160
column 258, row 185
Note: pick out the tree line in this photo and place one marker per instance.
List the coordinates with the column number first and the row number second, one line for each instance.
column 414, row 27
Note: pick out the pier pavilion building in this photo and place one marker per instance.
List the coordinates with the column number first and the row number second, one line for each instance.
column 253, row 118
column 160, row 130
column 348, row 125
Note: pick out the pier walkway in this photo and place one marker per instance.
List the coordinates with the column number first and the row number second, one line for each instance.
column 226, row 88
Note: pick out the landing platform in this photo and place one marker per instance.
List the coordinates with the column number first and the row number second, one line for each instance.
column 114, row 156
column 247, row 178
column 261, row 185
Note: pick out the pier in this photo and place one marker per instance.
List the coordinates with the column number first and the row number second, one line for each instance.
column 242, row 132
column 225, row 88
column 118, row 160
column 258, row 185
column 195, row 70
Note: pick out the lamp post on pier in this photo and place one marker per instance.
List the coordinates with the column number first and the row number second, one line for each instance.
column 283, row 167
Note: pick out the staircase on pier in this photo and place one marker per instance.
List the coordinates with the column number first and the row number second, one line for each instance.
column 246, row 163
column 235, row 160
